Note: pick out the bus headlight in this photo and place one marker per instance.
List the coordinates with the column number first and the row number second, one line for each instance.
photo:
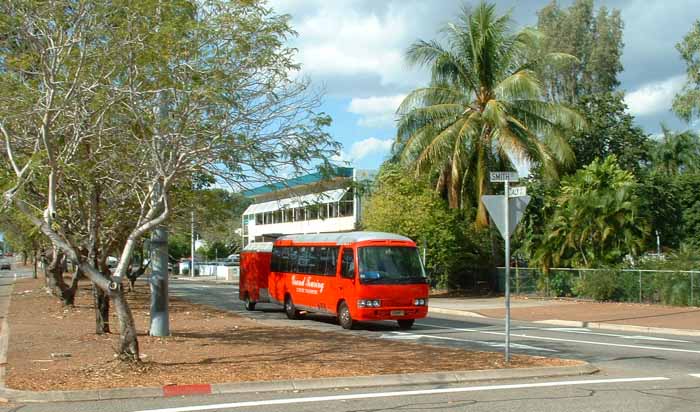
column 369, row 303
column 420, row 302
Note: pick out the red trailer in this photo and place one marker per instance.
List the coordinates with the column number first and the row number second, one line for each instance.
column 356, row 276
column 255, row 273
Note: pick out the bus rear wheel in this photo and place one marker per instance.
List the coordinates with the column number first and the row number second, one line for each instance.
column 249, row 304
column 344, row 317
column 290, row 309
column 405, row 323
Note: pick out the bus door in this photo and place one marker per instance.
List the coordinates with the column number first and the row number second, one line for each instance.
column 347, row 277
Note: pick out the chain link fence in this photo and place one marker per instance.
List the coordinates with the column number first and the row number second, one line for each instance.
column 670, row 287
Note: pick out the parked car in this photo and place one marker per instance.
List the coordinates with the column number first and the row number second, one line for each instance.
column 5, row 264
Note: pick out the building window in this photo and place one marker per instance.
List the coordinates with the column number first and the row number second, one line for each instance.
column 277, row 216
column 333, row 209
column 267, row 218
column 259, row 219
column 312, row 212
column 323, row 211
column 298, row 214
column 346, row 204
column 289, row 215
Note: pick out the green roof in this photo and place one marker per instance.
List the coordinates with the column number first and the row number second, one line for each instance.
column 299, row 181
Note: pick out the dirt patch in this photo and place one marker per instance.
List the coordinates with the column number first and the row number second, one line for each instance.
column 206, row 346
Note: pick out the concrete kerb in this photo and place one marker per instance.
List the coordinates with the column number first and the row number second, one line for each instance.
column 580, row 324
column 311, row 384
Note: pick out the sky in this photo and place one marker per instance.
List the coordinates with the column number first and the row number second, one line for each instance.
column 353, row 50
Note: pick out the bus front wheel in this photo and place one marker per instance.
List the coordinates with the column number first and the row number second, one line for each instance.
column 344, row 317
column 290, row 309
column 405, row 323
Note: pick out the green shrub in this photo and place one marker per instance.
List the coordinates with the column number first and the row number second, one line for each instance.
column 601, row 285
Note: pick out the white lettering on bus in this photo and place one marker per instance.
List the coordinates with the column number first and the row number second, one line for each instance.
column 309, row 283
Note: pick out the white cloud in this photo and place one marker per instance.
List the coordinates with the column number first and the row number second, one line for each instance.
column 345, row 38
column 654, row 97
column 363, row 148
column 376, row 111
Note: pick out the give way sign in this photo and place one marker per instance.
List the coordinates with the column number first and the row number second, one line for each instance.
column 495, row 205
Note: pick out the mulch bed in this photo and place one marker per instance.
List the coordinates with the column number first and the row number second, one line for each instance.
column 207, row 346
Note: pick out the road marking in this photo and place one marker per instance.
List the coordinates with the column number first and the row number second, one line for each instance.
column 585, row 331
column 694, row 375
column 333, row 398
column 619, row 345
column 413, row 336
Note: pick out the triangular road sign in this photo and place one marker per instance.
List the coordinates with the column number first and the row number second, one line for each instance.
column 516, row 209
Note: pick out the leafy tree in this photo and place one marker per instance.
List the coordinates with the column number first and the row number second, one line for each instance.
column 610, row 131
column 595, row 39
column 688, row 189
column 595, row 219
column 661, row 204
column 457, row 256
column 484, row 104
column 144, row 96
column 676, row 153
column 686, row 103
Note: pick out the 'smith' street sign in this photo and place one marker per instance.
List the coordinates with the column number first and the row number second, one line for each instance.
column 504, row 177
column 516, row 208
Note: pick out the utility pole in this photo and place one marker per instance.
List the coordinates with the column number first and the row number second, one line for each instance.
column 192, row 242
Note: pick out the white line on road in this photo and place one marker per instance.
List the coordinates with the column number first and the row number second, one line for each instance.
column 619, row 345
column 585, row 331
column 694, row 375
column 312, row 399
column 412, row 336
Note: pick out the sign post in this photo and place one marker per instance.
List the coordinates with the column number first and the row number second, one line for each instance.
column 506, row 211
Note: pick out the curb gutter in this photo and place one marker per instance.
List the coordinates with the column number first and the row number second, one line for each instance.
column 297, row 385
column 578, row 324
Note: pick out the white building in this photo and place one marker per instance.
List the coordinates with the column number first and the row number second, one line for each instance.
column 308, row 204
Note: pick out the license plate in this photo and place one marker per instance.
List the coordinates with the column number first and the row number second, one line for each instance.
column 397, row 313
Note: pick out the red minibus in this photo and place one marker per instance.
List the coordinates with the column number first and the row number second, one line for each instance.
column 356, row 276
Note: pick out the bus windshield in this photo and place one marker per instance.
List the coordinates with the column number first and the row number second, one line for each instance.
column 387, row 264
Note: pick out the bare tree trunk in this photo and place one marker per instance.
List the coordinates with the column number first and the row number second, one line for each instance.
column 128, row 343
column 34, row 273
column 101, row 310
column 54, row 275
column 68, row 294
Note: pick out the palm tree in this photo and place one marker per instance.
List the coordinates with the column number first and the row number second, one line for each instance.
column 677, row 152
column 484, row 106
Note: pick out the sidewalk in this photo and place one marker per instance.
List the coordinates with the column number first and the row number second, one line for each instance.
column 673, row 320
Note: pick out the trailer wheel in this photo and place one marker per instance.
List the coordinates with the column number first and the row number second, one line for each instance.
column 344, row 317
column 249, row 304
column 290, row 309
column 405, row 323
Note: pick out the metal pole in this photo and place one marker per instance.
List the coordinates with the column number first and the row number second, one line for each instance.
column 691, row 289
column 507, row 280
column 640, row 286
column 192, row 247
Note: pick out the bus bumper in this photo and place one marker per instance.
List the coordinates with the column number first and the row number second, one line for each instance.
column 411, row 312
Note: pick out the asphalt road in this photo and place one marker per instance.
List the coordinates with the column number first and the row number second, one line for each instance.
column 639, row 372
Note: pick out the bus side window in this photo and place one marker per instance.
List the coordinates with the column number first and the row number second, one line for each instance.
column 348, row 264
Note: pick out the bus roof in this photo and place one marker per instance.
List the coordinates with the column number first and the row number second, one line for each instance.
column 344, row 237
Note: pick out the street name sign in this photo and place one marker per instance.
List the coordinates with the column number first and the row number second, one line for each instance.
column 496, row 208
column 504, row 176
column 517, row 191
